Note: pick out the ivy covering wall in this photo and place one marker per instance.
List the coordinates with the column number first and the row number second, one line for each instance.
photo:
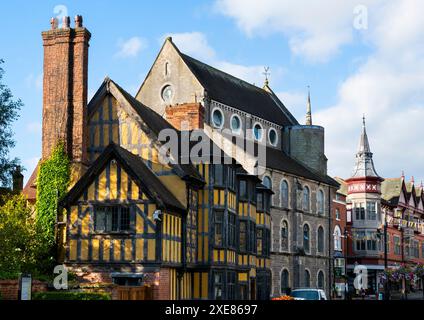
column 52, row 184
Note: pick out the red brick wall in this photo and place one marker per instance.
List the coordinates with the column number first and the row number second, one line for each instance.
column 162, row 292
column 9, row 288
column 341, row 206
column 193, row 113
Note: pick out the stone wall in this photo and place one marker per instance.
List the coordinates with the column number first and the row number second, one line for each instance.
column 292, row 260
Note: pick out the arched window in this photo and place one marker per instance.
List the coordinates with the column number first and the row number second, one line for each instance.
column 307, row 279
column 338, row 214
column 337, row 239
column 320, row 239
column 284, row 235
column 166, row 71
column 306, row 199
column 285, row 282
column 320, row 202
column 284, row 194
column 268, row 183
column 320, row 279
column 306, row 238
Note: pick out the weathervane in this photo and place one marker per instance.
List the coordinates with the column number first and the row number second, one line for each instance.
column 266, row 73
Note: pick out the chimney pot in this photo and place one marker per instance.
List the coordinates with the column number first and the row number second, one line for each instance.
column 78, row 21
column 66, row 22
column 54, row 23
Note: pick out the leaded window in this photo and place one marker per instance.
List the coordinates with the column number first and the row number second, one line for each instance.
column 112, row 219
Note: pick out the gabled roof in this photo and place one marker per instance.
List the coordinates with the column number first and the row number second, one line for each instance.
column 154, row 121
column 391, row 189
column 30, row 189
column 234, row 92
column 136, row 168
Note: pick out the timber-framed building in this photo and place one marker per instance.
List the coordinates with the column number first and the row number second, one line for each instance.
column 184, row 230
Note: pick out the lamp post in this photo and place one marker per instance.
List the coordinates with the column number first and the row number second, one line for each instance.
column 386, row 288
column 345, row 234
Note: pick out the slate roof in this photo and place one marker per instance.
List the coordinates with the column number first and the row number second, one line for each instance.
column 234, row 92
column 136, row 168
column 391, row 189
column 277, row 159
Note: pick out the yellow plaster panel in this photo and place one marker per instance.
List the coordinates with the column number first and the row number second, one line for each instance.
column 95, row 243
column 106, row 250
column 128, row 250
column 73, row 250
column 117, row 250
column 139, row 254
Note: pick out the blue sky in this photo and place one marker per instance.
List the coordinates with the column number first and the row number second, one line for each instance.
column 351, row 70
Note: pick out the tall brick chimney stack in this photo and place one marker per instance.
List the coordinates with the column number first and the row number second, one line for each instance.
column 65, row 88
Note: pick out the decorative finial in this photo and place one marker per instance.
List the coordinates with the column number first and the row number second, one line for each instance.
column 169, row 39
column 422, row 185
column 54, row 23
column 413, row 180
column 309, row 109
column 78, row 21
column 363, row 120
column 66, row 22
column 266, row 73
column 403, row 175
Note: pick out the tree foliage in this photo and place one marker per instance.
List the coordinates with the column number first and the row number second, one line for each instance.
column 18, row 240
column 8, row 113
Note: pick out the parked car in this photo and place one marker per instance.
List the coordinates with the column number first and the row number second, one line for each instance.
column 308, row 294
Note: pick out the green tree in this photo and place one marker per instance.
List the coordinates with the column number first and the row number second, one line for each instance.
column 8, row 113
column 18, row 241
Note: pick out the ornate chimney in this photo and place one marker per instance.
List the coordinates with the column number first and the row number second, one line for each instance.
column 65, row 88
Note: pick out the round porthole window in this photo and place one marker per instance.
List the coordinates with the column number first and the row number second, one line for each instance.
column 272, row 136
column 217, row 118
column 257, row 132
column 167, row 93
column 235, row 123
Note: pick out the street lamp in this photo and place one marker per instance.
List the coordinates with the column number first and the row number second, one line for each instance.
column 346, row 237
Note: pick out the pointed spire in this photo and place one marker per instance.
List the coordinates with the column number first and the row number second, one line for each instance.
column 364, row 166
column 308, row 121
column 413, row 180
column 364, row 146
column 403, row 175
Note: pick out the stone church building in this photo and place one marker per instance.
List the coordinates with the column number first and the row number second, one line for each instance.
column 185, row 229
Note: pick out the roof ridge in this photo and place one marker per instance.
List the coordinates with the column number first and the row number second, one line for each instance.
column 224, row 72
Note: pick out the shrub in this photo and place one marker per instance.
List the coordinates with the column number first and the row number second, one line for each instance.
column 66, row 295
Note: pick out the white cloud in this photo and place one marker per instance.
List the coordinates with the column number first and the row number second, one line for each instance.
column 316, row 29
column 131, row 48
column 193, row 44
column 388, row 88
